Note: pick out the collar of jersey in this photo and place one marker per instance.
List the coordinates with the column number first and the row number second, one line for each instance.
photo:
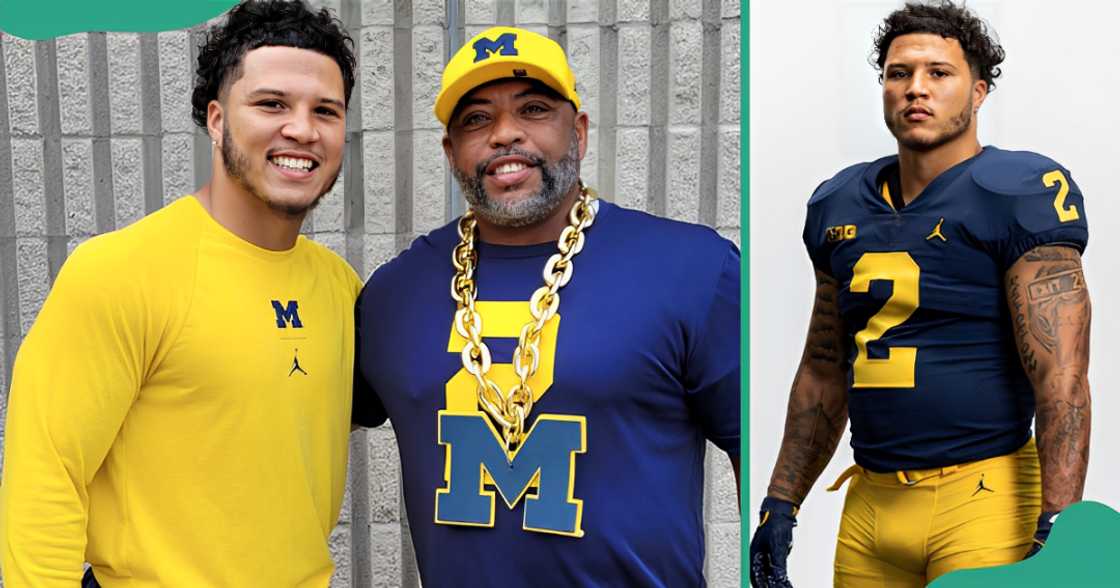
column 224, row 235
column 871, row 175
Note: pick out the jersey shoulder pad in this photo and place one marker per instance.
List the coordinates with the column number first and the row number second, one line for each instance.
column 1014, row 173
column 845, row 179
column 838, row 182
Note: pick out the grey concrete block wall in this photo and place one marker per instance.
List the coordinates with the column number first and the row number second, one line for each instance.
column 95, row 132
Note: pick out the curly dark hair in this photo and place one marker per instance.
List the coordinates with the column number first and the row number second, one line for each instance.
column 981, row 47
column 259, row 23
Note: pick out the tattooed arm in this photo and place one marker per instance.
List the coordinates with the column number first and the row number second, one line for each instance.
column 1050, row 311
column 818, row 402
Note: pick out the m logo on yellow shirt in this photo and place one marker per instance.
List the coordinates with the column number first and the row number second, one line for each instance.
column 287, row 314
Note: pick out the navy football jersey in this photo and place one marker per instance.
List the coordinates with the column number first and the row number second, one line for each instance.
column 935, row 378
column 638, row 370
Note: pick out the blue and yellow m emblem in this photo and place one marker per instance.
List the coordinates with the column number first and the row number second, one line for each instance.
column 504, row 45
column 287, row 314
column 542, row 471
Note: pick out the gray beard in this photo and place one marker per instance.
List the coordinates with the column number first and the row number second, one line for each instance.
column 556, row 181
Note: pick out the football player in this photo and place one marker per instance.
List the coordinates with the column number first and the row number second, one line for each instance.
column 551, row 423
column 950, row 310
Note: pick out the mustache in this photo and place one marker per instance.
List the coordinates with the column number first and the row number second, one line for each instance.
column 480, row 169
column 916, row 108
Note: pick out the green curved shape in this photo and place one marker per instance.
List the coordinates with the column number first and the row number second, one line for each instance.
column 45, row 19
column 1081, row 552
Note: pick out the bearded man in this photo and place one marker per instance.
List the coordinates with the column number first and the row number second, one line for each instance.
column 588, row 415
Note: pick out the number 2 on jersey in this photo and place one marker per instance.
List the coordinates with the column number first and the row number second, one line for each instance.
column 897, row 369
column 1064, row 214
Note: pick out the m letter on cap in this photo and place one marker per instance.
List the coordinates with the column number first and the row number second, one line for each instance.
column 484, row 48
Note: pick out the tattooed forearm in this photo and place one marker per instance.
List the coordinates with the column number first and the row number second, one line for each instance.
column 811, row 436
column 1050, row 313
column 818, row 409
column 1063, row 448
column 1063, row 421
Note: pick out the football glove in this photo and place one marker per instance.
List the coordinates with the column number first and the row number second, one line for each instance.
column 1042, row 532
column 771, row 544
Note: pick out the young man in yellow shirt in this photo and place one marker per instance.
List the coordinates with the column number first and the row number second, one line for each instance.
column 179, row 411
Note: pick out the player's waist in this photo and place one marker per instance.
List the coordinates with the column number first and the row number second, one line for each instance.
column 938, row 423
column 938, row 475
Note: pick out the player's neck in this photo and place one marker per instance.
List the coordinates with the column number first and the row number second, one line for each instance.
column 546, row 231
column 246, row 216
column 918, row 168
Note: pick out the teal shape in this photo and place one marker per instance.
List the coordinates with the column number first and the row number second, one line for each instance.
column 45, row 19
column 1083, row 552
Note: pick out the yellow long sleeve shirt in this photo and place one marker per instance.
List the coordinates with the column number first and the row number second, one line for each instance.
column 179, row 412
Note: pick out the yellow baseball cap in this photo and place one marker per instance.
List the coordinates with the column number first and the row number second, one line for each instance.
column 504, row 52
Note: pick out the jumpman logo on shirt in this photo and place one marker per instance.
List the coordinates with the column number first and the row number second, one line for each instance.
column 936, row 231
column 295, row 365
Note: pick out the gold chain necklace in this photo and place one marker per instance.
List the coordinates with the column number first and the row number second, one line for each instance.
column 510, row 411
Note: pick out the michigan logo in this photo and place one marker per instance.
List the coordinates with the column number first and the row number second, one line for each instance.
column 287, row 314
column 504, row 45
column 541, row 473
column 546, row 460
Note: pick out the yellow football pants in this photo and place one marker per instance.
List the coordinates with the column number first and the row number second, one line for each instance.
column 904, row 529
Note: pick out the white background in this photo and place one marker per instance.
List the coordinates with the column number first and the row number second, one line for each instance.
column 816, row 108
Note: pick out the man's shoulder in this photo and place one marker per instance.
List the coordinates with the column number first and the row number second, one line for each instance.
column 130, row 267
column 848, row 179
column 416, row 261
column 155, row 241
column 1016, row 173
column 688, row 259
column 653, row 229
column 1023, row 199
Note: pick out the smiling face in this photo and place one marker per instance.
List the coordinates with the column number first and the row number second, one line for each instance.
column 282, row 127
column 929, row 94
column 514, row 147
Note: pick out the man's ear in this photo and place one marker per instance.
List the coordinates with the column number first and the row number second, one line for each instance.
column 979, row 94
column 215, row 121
column 447, row 149
column 582, row 122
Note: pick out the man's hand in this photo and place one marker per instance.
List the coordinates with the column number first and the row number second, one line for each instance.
column 1042, row 533
column 772, row 542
